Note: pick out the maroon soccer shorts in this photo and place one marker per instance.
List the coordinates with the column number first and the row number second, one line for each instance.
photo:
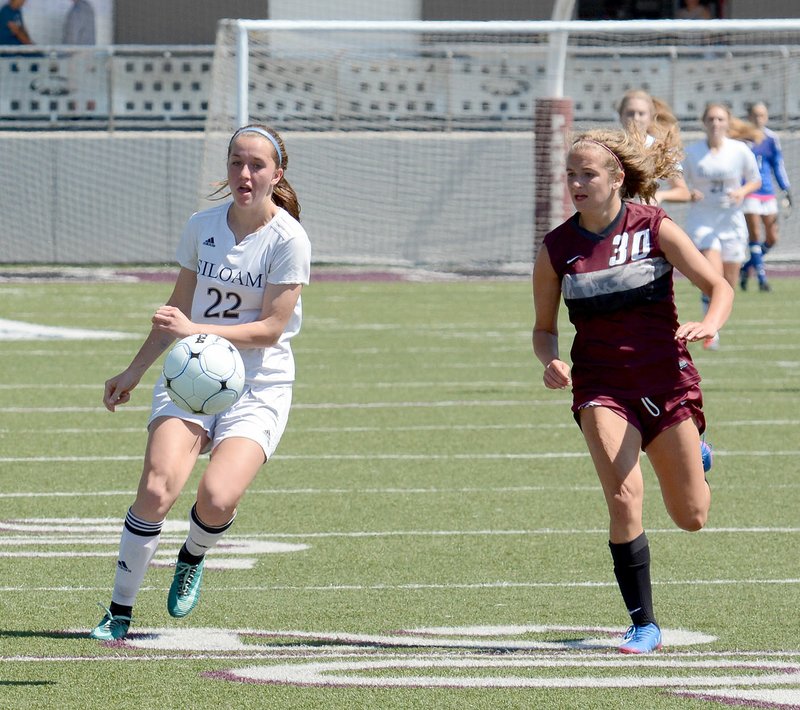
column 650, row 415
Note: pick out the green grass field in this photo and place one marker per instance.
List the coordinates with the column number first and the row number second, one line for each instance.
column 430, row 534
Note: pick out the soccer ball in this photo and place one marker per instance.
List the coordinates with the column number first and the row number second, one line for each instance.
column 204, row 374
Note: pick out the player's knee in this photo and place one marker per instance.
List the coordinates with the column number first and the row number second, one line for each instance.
column 216, row 507
column 155, row 497
column 691, row 520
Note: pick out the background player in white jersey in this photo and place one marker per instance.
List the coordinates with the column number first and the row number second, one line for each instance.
column 638, row 110
column 720, row 172
column 243, row 265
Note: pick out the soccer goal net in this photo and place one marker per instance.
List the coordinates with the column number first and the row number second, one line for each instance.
column 441, row 143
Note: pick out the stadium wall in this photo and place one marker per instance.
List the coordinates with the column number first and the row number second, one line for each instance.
column 157, row 22
column 124, row 197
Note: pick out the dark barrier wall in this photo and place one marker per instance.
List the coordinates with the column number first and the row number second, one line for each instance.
column 178, row 21
column 194, row 21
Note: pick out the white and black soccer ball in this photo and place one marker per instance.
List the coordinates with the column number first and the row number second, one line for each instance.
column 204, row 374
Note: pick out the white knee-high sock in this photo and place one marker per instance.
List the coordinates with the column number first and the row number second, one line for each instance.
column 137, row 546
column 203, row 537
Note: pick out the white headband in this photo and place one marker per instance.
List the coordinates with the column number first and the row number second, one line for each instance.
column 261, row 132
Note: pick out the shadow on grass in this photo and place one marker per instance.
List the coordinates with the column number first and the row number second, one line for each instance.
column 9, row 634
column 4, row 683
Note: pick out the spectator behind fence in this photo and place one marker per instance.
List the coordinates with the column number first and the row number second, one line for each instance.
column 693, row 10
column 79, row 23
column 12, row 28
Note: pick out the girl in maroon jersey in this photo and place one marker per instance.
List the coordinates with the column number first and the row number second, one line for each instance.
column 634, row 385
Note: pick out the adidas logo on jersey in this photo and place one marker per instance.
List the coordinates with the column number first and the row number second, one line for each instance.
column 209, row 242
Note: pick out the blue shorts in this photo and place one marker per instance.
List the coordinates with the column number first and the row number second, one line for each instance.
column 651, row 415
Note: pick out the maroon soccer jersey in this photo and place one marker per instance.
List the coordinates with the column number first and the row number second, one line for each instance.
column 618, row 289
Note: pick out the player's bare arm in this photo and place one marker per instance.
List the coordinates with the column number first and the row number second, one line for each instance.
column 546, row 298
column 677, row 191
column 737, row 196
column 278, row 305
column 118, row 388
column 20, row 32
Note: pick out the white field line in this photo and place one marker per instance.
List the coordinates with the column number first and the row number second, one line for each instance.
column 416, row 384
column 390, row 491
column 411, row 586
column 415, row 427
column 21, row 331
column 299, row 652
column 406, row 385
column 326, row 491
column 303, row 653
column 506, row 345
column 386, row 457
column 677, row 659
column 495, row 456
column 436, row 404
column 82, row 527
column 411, row 428
column 194, row 656
column 323, row 405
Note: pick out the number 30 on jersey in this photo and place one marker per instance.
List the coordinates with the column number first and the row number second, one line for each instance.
column 630, row 249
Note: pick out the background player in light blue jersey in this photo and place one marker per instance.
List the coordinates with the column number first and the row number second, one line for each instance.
column 243, row 265
column 761, row 207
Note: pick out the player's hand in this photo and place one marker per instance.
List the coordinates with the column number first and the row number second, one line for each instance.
column 173, row 321
column 737, row 196
column 118, row 390
column 787, row 196
column 556, row 375
column 693, row 331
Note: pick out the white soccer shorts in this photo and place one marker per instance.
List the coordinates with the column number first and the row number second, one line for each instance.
column 260, row 415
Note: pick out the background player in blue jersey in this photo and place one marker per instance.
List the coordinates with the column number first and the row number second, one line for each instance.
column 761, row 207
column 634, row 385
column 243, row 265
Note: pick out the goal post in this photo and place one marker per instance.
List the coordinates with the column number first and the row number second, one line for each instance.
column 552, row 124
column 437, row 144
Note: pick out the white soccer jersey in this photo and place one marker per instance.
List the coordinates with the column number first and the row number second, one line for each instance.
column 232, row 278
column 715, row 174
column 664, row 183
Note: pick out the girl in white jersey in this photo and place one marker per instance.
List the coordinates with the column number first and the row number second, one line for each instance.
column 243, row 264
column 720, row 172
column 653, row 118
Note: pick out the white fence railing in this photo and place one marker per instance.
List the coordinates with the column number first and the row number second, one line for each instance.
column 454, row 87
column 105, row 87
